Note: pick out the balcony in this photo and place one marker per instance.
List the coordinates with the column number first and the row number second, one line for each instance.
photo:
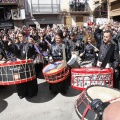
column 9, row 2
column 79, row 8
column 6, row 24
column 46, row 8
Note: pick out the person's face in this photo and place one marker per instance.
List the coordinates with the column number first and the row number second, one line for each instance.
column 64, row 33
column 72, row 37
column 58, row 39
column 21, row 38
column 106, row 37
column 89, row 40
column 5, row 38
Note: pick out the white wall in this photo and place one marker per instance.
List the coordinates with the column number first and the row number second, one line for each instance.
column 73, row 20
column 91, row 5
column 64, row 5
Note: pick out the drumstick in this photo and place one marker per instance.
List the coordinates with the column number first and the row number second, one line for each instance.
column 47, row 42
column 64, row 55
column 93, row 46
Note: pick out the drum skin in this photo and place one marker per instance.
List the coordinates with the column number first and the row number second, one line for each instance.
column 17, row 72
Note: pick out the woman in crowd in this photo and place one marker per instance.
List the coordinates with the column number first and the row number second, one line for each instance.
column 90, row 49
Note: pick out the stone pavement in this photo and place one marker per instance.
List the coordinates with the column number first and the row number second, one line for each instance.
column 45, row 106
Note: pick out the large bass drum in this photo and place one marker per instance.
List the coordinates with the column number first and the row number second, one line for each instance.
column 56, row 75
column 81, row 78
column 83, row 103
column 17, row 72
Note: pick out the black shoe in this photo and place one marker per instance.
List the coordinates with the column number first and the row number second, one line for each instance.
column 21, row 97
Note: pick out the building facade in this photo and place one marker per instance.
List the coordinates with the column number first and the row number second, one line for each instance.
column 114, row 10
column 101, row 9
column 41, row 13
column 11, row 13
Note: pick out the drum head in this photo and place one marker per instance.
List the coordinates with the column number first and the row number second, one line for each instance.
column 103, row 93
column 51, row 66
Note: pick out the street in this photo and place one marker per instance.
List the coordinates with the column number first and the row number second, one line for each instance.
column 45, row 106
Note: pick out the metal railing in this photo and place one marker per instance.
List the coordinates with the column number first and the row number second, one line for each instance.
column 78, row 6
column 45, row 8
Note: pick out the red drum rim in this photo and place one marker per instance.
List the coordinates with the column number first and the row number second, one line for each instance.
column 78, row 88
column 16, row 63
column 54, row 72
column 91, row 70
column 60, row 80
column 17, row 81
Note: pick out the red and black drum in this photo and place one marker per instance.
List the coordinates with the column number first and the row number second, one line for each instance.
column 83, row 103
column 56, row 75
column 81, row 78
column 17, row 72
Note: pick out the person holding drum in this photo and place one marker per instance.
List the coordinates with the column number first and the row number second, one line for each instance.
column 56, row 54
column 22, row 51
column 90, row 50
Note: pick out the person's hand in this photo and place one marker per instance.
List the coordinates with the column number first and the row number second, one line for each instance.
column 102, row 27
column 9, row 43
column 36, row 44
column 77, row 44
column 51, row 60
column 96, row 50
column 81, row 54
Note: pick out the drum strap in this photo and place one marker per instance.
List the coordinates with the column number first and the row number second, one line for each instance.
column 26, row 49
column 108, row 55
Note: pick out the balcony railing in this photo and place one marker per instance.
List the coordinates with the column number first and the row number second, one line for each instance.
column 78, row 6
column 45, row 8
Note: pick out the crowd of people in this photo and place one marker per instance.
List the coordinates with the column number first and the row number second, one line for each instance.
column 99, row 44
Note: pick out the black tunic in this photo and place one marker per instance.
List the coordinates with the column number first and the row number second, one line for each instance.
column 27, row 89
column 56, row 53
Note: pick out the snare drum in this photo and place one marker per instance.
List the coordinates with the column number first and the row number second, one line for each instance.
column 86, row 64
column 81, row 78
column 17, row 72
column 74, row 61
column 83, row 103
column 56, row 76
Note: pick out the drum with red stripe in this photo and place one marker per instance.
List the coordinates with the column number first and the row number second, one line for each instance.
column 56, row 75
column 83, row 103
column 17, row 72
column 81, row 78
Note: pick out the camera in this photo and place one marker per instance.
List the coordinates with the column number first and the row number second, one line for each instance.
column 98, row 107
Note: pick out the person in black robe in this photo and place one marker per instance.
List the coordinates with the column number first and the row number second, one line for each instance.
column 30, row 88
column 108, row 55
column 56, row 53
column 90, row 50
column 76, row 44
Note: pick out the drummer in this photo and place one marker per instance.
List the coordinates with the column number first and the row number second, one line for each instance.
column 20, row 50
column 56, row 54
column 90, row 49
column 108, row 55
column 76, row 44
